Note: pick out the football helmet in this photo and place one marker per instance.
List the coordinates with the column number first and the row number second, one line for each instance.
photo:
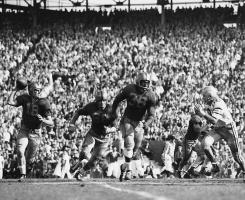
column 143, row 80
column 100, row 95
column 34, row 89
column 101, row 98
column 209, row 94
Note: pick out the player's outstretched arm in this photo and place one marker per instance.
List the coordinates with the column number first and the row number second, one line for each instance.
column 119, row 98
column 151, row 112
column 20, row 84
column 199, row 111
column 49, row 88
column 75, row 117
column 12, row 99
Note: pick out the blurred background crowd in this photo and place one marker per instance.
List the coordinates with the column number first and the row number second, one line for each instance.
column 192, row 50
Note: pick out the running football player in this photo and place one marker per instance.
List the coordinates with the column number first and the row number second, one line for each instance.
column 223, row 127
column 190, row 142
column 36, row 113
column 141, row 101
column 97, row 136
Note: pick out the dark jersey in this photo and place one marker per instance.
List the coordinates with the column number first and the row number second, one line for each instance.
column 192, row 134
column 194, row 130
column 137, row 102
column 31, row 108
column 100, row 118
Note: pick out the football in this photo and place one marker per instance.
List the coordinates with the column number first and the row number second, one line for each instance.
column 21, row 84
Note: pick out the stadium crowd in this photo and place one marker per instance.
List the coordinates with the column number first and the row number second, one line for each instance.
column 193, row 49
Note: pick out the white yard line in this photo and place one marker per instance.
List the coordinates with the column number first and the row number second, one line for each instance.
column 135, row 192
column 143, row 194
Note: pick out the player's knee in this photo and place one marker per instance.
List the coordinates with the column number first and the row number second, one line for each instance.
column 21, row 152
column 207, row 143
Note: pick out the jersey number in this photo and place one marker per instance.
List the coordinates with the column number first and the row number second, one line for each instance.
column 137, row 101
column 32, row 109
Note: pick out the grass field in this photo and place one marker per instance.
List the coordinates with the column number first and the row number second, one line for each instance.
column 110, row 189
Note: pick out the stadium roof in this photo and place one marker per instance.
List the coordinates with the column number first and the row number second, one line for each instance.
column 81, row 4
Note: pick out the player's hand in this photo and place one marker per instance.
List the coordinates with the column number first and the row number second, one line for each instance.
column 72, row 128
column 20, row 84
column 140, row 127
column 199, row 110
column 40, row 118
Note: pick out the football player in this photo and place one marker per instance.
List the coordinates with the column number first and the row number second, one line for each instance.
column 191, row 143
column 36, row 113
column 141, row 101
column 223, row 127
column 97, row 136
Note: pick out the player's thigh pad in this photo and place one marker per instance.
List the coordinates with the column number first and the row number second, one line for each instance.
column 33, row 145
column 100, row 149
column 22, row 141
column 88, row 145
column 210, row 138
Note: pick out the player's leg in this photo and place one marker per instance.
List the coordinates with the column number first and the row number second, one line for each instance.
column 187, row 150
column 98, row 153
column 85, row 153
column 127, row 130
column 196, row 168
column 136, row 143
column 138, row 138
column 22, row 142
column 232, row 141
column 31, row 151
column 207, row 143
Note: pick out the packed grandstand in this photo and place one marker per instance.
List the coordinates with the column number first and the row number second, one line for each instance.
column 88, row 50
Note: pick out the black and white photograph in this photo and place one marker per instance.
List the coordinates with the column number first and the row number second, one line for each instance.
column 122, row 99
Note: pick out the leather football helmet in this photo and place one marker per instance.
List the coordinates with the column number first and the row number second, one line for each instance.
column 34, row 89
column 210, row 94
column 143, row 80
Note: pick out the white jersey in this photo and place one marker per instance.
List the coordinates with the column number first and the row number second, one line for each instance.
column 219, row 111
column 169, row 149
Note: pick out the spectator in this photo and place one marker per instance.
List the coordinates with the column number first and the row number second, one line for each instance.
column 113, row 166
column 1, row 165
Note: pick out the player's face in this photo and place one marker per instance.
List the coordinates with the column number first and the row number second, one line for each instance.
column 35, row 92
column 207, row 99
column 197, row 126
column 145, row 83
column 102, row 103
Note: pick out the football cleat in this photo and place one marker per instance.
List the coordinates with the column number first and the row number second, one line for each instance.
column 215, row 168
column 123, row 173
column 122, row 176
column 239, row 172
column 128, row 175
column 22, row 178
column 82, row 175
